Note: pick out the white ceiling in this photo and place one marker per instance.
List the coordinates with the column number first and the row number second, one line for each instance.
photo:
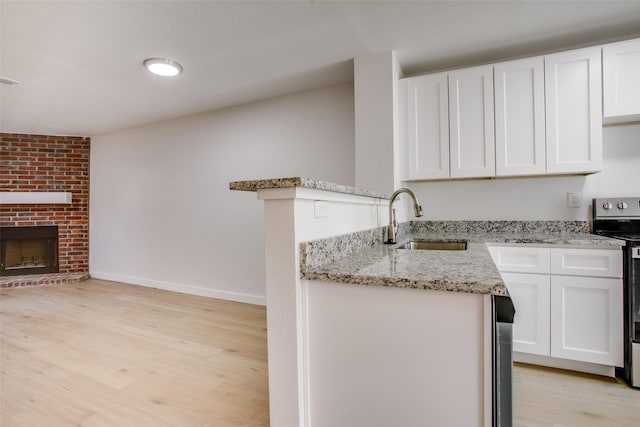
column 80, row 63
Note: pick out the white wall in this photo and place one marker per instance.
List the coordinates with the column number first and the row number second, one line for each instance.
column 375, row 78
column 161, row 213
column 540, row 198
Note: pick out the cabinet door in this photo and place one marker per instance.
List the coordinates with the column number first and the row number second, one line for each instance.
column 586, row 319
column 428, row 127
column 573, row 111
column 471, row 123
column 519, row 109
column 531, row 325
column 621, row 79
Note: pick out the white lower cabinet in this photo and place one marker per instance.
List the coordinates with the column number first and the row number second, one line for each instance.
column 531, row 297
column 586, row 319
column 568, row 302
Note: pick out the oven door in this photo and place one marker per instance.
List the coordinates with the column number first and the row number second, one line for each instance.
column 630, row 372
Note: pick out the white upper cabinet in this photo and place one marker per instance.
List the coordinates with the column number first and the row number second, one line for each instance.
column 519, row 110
column 471, row 126
column 621, row 81
column 573, row 91
column 428, row 127
column 528, row 117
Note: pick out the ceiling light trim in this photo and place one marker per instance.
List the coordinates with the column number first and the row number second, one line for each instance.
column 164, row 67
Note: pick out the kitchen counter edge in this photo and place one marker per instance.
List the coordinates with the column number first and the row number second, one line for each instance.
column 292, row 182
column 470, row 271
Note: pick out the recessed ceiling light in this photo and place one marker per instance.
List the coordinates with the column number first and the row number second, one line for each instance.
column 163, row 67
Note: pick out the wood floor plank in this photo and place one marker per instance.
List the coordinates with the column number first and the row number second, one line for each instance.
column 105, row 354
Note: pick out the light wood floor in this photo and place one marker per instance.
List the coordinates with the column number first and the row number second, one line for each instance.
column 108, row 354
column 550, row 397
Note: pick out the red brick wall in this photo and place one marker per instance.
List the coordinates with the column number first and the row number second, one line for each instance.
column 50, row 163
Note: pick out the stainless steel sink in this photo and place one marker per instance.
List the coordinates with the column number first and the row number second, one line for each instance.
column 435, row 245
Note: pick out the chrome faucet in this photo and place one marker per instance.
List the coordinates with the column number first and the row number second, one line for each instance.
column 392, row 230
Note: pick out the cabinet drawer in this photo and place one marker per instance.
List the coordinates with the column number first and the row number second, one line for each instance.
column 521, row 259
column 587, row 262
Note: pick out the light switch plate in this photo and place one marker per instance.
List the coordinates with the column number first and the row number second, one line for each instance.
column 321, row 208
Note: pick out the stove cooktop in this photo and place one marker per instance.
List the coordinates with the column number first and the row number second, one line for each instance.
column 632, row 237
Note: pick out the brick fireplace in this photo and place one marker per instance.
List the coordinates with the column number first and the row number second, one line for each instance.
column 43, row 163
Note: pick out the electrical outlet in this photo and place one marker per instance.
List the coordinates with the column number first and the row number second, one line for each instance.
column 321, row 208
column 574, row 200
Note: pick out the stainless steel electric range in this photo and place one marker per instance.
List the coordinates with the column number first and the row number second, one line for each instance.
column 620, row 218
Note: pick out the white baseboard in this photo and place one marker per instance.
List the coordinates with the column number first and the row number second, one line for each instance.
column 182, row 288
column 570, row 365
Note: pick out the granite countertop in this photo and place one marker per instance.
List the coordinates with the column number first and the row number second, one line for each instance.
column 262, row 184
column 471, row 270
column 361, row 258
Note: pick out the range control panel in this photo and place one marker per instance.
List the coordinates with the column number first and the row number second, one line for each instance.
column 620, row 207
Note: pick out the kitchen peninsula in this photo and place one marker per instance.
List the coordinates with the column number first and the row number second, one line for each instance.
column 362, row 333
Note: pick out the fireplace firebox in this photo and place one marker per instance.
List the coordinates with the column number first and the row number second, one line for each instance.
column 28, row 250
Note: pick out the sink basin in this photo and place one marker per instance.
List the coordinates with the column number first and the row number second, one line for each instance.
column 433, row 245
